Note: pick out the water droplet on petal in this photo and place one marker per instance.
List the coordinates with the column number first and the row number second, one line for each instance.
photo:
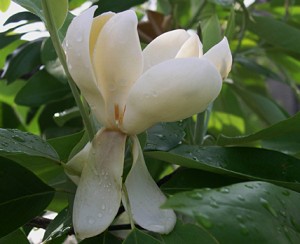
column 286, row 193
column 79, row 39
column 100, row 215
column 91, row 220
column 249, row 186
column 103, row 207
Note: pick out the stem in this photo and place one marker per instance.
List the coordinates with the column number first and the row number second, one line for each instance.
column 128, row 207
column 61, row 56
column 200, row 128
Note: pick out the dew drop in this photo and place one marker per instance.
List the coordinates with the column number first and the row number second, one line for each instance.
column 244, row 230
column 249, row 186
column 267, row 206
column 204, row 220
column 224, row 190
column 286, row 193
column 195, row 195
column 103, row 207
column 195, row 158
column 241, row 198
column 100, row 215
column 214, row 204
column 18, row 138
column 240, row 218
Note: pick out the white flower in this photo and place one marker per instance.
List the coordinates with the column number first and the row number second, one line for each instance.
column 128, row 91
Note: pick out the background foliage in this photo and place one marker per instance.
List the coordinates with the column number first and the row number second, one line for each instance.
column 232, row 173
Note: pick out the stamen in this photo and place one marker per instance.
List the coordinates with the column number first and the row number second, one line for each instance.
column 117, row 113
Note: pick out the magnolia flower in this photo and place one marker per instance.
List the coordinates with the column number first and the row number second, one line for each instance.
column 128, row 91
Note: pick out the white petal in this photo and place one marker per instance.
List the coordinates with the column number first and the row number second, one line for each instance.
column 220, row 56
column 191, row 48
column 145, row 197
column 98, row 195
column 117, row 60
column 164, row 47
column 170, row 91
column 77, row 49
column 75, row 166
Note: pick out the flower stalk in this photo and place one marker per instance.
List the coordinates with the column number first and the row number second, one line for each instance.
column 62, row 58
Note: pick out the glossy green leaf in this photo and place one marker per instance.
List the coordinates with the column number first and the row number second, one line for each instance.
column 164, row 136
column 27, row 16
column 23, row 61
column 6, row 38
column 4, row 5
column 267, row 110
column 31, row 152
column 252, row 212
column 64, row 145
column 34, row 6
column 283, row 136
column 276, row 32
column 184, row 179
column 58, row 10
column 116, row 5
column 136, row 237
column 104, row 238
column 41, row 88
column 17, row 236
column 59, row 226
column 249, row 163
column 211, row 32
column 22, row 196
column 188, row 233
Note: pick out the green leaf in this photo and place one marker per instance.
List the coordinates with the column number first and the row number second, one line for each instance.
column 283, row 136
column 211, row 32
column 276, row 32
column 136, row 237
column 104, row 238
column 59, row 226
column 41, row 88
column 64, row 145
column 4, row 5
column 242, row 162
column 188, row 233
column 27, row 16
column 6, row 38
column 185, row 179
column 252, row 212
column 23, row 61
column 22, row 196
column 31, row 152
column 116, row 5
column 164, row 136
column 58, row 10
column 33, row 6
column 267, row 110
column 15, row 237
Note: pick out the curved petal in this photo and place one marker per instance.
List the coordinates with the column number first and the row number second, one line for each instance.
column 164, row 47
column 220, row 56
column 75, row 166
column 117, row 61
column 98, row 195
column 145, row 196
column 77, row 45
column 170, row 91
column 191, row 48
